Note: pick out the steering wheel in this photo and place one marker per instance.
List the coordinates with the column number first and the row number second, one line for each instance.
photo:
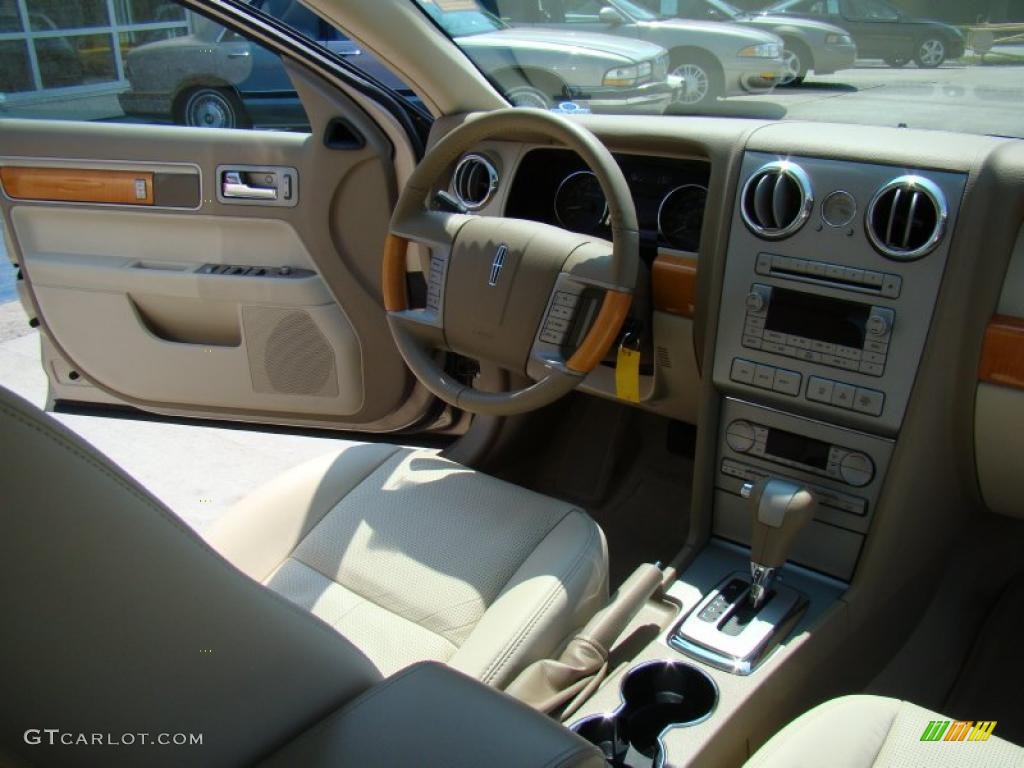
column 517, row 293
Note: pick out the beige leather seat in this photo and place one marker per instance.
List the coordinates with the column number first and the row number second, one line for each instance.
column 870, row 731
column 122, row 625
column 412, row 557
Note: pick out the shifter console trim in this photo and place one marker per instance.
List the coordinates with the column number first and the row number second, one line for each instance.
column 709, row 633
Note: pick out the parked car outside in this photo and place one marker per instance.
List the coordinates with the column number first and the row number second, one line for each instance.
column 215, row 78
column 882, row 31
column 713, row 59
column 543, row 67
column 810, row 45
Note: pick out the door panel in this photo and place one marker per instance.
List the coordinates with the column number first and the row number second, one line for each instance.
column 173, row 334
column 130, row 299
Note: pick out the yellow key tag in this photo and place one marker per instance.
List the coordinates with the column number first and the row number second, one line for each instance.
column 627, row 370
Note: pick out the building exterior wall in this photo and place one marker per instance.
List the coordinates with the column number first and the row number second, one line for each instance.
column 55, row 48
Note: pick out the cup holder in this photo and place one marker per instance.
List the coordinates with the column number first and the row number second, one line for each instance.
column 655, row 697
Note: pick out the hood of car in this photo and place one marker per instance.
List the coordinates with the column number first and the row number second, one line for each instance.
column 770, row 20
column 559, row 39
column 687, row 31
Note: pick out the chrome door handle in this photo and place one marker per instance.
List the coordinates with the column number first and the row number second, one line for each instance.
column 238, row 55
column 233, row 186
column 257, row 185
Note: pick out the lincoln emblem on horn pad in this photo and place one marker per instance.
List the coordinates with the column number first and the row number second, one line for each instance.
column 497, row 264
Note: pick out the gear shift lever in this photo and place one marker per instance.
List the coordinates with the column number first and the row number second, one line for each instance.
column 779, row 510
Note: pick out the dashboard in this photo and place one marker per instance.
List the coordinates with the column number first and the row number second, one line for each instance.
column 827, row 338
column 553, row 186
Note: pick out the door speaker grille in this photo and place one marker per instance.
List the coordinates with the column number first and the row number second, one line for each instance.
column 288, row 355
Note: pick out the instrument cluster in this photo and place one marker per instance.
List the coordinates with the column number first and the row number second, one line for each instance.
column 555, row 187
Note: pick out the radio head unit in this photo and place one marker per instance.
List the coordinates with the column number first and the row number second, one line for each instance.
column 821, row 320
column 821, row 329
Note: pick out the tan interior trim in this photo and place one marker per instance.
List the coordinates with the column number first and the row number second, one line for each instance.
column 77, row 185
column 674, row 284
column 396, row 298
column 609, row 322
column 1002, row 355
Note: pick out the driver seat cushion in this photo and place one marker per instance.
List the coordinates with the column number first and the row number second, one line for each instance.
column 412, row 557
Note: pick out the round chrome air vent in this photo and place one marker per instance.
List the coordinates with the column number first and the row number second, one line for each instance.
column 777, row 200
column 474, row 182
column 906, row 218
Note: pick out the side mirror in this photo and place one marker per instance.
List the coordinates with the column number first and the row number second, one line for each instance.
column 609, row 15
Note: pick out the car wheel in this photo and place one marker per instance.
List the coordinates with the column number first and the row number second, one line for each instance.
column 931, row 52
column 527, row 96
column 701, row 83
column 795, row 61
column 213, row 108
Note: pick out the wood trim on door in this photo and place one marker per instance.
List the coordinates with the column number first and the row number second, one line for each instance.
column 1002, row 354
column 78, row 185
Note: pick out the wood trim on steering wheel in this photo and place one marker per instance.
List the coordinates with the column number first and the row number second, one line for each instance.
column 602, row 333
column 396, row 296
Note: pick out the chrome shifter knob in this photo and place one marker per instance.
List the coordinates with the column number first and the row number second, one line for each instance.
column 779, row 511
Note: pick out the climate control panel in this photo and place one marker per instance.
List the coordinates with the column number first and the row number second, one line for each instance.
column 851, row 467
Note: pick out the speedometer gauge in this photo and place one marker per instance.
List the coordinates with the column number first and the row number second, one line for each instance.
column 681, row 215
column 580, row 204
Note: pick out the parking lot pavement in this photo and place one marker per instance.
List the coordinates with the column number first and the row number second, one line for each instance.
column 197, row 471
column 974, row 99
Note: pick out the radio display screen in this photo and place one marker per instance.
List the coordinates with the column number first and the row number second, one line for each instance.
column 817, row 317
column 798, row 448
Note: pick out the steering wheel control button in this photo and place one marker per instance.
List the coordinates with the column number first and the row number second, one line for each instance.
column 566, row 299
column 787, row 382
column 552, row 337
column 868, row 401
column 556, row 324
column 742, row 371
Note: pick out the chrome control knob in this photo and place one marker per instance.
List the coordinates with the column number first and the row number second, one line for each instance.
column 856, row 469
column 740, row 436
column 755, row 301
column 878, row 325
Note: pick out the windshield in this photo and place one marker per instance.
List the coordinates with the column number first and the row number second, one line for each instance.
column 925, row 64
column 462, row 22
column 632, row 9
column 711, row 9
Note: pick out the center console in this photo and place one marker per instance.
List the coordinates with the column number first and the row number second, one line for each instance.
column 832, row 273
